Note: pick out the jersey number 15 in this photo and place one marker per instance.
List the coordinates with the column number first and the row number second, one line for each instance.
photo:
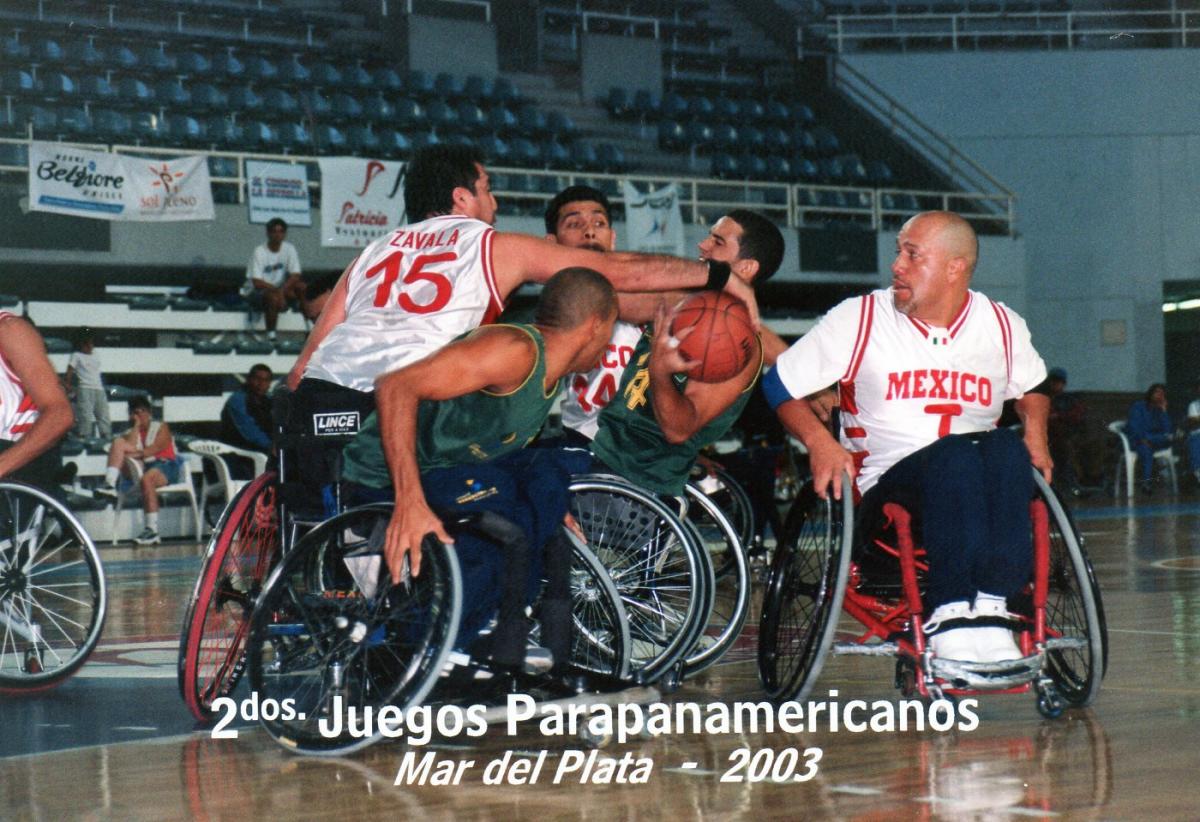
column 390, row 265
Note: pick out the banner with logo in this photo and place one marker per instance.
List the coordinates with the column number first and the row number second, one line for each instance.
column 169, row 190
column 361, row 200
column 653, row 222
column 67, row 180
column 278, row 190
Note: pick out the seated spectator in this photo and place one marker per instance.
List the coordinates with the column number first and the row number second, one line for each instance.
column 246, row 419
column 273, row 275
column 1150, row 429
column 85, row 385
column 151, row 443
column 1192, row 424
column 1066, row 430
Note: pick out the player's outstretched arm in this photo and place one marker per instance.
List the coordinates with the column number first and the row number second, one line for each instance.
column 519, row 258
column 333, row 313
column 826, row 456
column 498, row 358
column 1033, row 409
column 22, row 347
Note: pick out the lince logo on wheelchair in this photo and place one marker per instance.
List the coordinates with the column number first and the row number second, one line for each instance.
column 820, row 571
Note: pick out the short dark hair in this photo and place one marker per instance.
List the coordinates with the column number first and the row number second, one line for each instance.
column 1154, row 387
column 82, row 336
column 141, row 401
column 277, row 221
column 433, row 174
column 761, row 241
column 574, row 194
column 320, row 285
column 260, row 366
column 572, row 296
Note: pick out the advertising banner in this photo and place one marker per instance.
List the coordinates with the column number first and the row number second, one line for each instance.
column 653, row 220
column 278, row 190
column 361, row 200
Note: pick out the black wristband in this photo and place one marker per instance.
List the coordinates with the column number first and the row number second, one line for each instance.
column 718, row 275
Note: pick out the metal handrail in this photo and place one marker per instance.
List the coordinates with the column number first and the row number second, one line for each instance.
column 408, row 7
column 698, row 195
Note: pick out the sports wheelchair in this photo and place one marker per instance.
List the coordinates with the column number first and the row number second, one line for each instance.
column 820, row 570
column 52, row 591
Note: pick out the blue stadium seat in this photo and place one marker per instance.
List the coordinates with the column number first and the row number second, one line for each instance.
column 776, row 140
column 505, row 91
column 17, row 81
column 832, row 199
column 830, row 169
column 226, row 65
column 56, row 85
column 725, row 110
column 805, row 169
column 123, row 58
column 244, row 99
column 802, row 114
column 826, row 141
column 207, row 97
column 314, row 104
column 555, row 154
column 751, row 167
column 583, row 155
column 74, row 120
column 779, row 169
column 701, row 108
column 278, row 103
column 471, row 118
column 442, row 117
column 85, row 53
column 346, row 106
column 94, row 88
column 387, row 79
column 495, row 150
column 377, row 109
column 560, row 125
column 410, row 114
column 751, row 111
column 356, row 77
column 43, row 120
column 225, row 134
column 698, row 134
column 853, row 170
column 187, row 130
column 172, row 93
column 155, row 58
column 292, row 71
column 750, row 139
column 449, row 87
column 776, row 112
column 46, row 50
column 114, row 126
column 261, row 69
column 671, row 135
column 617, row 103
column 12, row 49
column 293, row 136
column 879, row 173
column 419, row 84
column 195, row 64
column 362, row 140
column 422, row 139
column 531, row 122
column 477, row 89
column 803, row 141
column 674, row 106
column 133, row 92
column 149, row 126
column 257, row 135
column 645, row 104
column 393, row 143
column 722, row 166
column 610, row 158
column 325, row 74
column 14, row 154
column 328, row 139
column 724, row 137
column 502, row 121
column 523, row 153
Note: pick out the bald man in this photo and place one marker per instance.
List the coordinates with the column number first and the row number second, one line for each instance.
column 923, row 369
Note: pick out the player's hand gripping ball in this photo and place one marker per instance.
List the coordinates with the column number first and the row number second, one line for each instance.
column 722, row 339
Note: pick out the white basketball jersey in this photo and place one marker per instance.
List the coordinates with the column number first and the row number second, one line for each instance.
column 903, row 383
column 585, row 394
column 409, row 293
column 17, row 411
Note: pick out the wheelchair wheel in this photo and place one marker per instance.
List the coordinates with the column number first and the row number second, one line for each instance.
column 804, row 593
column 662, row 575
column 1073, row 609
column 731, row 498
column 52, row 591
column 600, row 636
column 731, row 590
column 240, row 553
column 333, row 639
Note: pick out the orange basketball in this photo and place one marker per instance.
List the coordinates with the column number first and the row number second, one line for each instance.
column 723, row 340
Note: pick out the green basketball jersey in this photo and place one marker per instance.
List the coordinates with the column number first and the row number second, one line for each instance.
column 473, row 428
column 631, row 442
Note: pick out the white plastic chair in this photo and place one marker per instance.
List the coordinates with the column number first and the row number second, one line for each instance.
column 184, row 486
column 1127, row 462
column 225, row 487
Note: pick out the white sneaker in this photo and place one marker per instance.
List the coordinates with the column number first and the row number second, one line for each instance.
column 148, row 537
column 996, row 643
column 952, row 643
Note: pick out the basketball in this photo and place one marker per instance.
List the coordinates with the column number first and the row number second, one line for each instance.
column 723, row 338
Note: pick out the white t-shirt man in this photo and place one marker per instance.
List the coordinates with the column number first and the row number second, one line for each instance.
column 87, row 369
column 272, row 267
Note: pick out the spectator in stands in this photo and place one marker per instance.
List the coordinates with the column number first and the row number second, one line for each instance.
column 1066, row 431
column 246, row 419
column 1192, row 424
column 150, row 443
column 273, row 275
column 317, row 294
column 1150, row 429
column 85, row 386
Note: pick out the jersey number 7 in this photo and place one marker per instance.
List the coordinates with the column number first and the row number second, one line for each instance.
column 390, row 268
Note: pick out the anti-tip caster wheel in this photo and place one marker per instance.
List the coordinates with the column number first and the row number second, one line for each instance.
column 671, row 679
column 1049, row 703
column 594, row 741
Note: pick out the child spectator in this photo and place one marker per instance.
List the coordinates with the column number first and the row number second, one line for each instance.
column 86, row 386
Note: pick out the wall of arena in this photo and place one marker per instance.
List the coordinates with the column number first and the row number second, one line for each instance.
column 1103, row 152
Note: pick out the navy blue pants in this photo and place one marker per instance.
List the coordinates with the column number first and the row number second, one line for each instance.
column 969, row 496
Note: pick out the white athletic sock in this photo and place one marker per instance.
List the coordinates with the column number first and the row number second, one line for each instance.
column 270, row 335
column 990, row 603
column 152, row 520
column 111, row 475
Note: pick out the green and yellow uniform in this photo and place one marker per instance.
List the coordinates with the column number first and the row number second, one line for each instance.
column 630, row 440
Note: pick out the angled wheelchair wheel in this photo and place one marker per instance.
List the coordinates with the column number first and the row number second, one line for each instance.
column 332, row 635
column 804, row 593
column 1073, row 608
column 52, row 591
column 660, row 572
column 731, row 498
column 731, row 590
column 243, row 547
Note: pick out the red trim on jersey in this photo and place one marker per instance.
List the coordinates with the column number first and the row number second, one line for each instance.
column 960, row 319
column 489, row 275
column 866, row 316
column 22, row 428
column 1005, row 335
column 920, row 325
column 856, row 433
